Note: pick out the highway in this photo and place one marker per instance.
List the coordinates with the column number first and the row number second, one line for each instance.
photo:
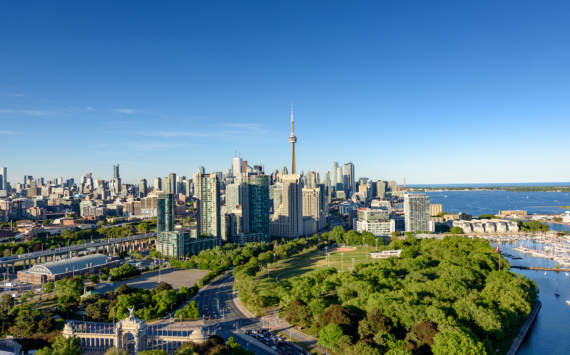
column 79, row 247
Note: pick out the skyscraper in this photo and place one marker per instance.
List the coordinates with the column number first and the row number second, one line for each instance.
column 172, row 181
column 292, row 140
column 288, row 219
column 349, row 183
column 339, row 180
column 116, row 171
column 201, row 170
column 4, row 179
column 237, row 164
column 416, row 210
column 142, row 188
column 165, row 213
column 157, row 184
column 207, row 189
column 255, row 206
column 333, row 177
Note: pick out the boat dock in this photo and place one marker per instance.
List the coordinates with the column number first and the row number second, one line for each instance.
column 540, row 268
column 525, row 328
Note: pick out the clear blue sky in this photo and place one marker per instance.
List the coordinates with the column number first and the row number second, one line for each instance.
column 442, row 92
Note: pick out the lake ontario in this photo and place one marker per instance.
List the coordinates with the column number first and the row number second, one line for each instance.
column 551, row 329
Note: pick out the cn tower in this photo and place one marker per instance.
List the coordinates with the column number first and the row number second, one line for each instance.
column 292, row 140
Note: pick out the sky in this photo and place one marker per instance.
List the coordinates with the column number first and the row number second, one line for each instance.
column 438, row 91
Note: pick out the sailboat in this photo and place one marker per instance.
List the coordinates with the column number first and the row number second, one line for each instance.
column 556, row 293
column 567, row 274
column 545, row 272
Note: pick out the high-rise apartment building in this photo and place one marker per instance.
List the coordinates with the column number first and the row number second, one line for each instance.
column 381, row 189
column 393, row 185
column 349, row 183
column 165, row 213
column 435, row 209
column 416, row 211
column 116, row 172
column 142, row 188
column 201, row 170
column 255, row 206
column 207, row 190
column 4, row 178
column 288, row 219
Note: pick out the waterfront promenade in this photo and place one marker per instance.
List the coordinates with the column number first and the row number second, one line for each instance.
column 525, row 328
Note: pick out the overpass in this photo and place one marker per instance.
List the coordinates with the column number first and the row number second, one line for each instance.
column 107, row 247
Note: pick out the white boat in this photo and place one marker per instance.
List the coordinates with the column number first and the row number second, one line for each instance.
column 545, row 272
column 567, row 274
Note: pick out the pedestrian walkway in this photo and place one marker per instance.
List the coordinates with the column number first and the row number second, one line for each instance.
column 525, row 328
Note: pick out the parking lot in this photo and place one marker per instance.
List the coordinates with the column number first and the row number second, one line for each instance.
column 176, row 279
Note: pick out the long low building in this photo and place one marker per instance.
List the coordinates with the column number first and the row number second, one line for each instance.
column 56, row 270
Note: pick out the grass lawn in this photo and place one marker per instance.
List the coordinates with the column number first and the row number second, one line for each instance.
column 315, row 260
column 504, row 344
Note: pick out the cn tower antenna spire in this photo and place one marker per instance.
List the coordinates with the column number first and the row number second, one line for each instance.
column 292, row 140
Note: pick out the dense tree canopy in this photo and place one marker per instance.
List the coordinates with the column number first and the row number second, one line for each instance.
column 442, row 297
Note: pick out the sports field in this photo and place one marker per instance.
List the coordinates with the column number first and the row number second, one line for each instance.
column 340, row 258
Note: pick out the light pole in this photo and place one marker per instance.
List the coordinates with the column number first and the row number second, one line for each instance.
column 376, row 244
column 329, row 258
column 352, row 264
column 268, row 271
column 342, row 261
column 366, row 251
column 274, row 257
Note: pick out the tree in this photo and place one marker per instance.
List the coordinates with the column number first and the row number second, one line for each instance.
column 457, row 342
column 46, row 326
column 67, row 292
column 5, row 319
column 317, row 306
column 47, row 222
column 20, row 250
column 48, row 287
column 66, row 346
column 97, row 310
column 143, row 228
column 456, row 230
column 94, row 278
column 117, row 351
column 330, row 334
column 7, row 301
column 339, row 315
column 163, row 286
column 25, row 324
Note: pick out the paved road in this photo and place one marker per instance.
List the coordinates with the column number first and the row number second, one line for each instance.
column 220, row 291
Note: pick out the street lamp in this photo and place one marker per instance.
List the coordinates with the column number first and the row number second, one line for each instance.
column 342, row 261
column 268, row 265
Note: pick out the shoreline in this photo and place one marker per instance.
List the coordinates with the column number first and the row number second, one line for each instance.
column 525, row 328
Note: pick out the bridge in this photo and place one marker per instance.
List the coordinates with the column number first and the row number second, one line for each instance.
column 107, row 247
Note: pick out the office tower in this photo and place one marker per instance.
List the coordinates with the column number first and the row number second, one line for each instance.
column 255, row 206
column 284, row 171
column 69, row 182
column 328, row 187
column 165, row 213
column 275, row 196
column 166, row 185
column 292, row 140
column 157, row 184
column 333, row 177
column 393, row 185
column 226, row 173
column 116, row 172
column 339, row 180
column 416, row 211
column 187, row 187
column 4, row 178
column 237, row 166
column 179, row 183
column 172, row 181
column 201, row 170
column 381, row 189
column 311, row 179
column 142, row 188
column 208, row 194
column 349, row 183
column 259, row 168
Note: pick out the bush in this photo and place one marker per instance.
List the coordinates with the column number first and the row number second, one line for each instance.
column 456, row 230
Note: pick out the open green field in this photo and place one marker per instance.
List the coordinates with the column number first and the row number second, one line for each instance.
column 315, row 260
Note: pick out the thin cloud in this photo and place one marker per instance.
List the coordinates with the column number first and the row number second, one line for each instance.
column 156, row 145
column 130, row 111
column 9, row 94
column 26, row 112
column 7, row 132
column 176, row 134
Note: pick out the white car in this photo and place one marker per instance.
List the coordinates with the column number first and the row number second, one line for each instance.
column 273, row 347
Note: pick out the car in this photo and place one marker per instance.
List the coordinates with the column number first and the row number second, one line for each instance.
column 274, row 347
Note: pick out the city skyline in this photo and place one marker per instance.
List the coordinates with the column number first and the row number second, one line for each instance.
column 416, row 80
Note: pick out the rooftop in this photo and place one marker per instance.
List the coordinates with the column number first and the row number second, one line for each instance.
column 59, row 266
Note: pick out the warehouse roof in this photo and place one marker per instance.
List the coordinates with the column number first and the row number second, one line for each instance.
column 60, row 266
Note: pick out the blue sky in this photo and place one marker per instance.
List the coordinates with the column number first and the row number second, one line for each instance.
column 442, row 92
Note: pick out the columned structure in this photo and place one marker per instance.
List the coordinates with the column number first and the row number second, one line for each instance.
column 131, row 334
